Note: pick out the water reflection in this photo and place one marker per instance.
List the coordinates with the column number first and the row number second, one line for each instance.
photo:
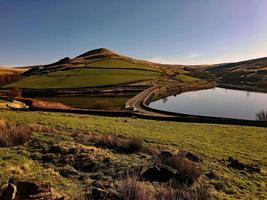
column 218, row 102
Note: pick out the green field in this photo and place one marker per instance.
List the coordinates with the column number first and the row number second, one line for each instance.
column 214, row 143
column 186, row 78
column 86, row 77
column 115, row 63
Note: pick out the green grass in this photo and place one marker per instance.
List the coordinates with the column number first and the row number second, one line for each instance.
column 215, row 143
column 115, row 63
column 78, row 78
column 186, row 78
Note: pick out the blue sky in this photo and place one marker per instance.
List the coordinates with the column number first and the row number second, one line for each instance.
column 171, row 31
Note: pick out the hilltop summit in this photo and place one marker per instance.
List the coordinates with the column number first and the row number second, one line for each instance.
column 100, row 51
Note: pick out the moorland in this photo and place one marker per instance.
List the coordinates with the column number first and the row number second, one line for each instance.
column 124, row 156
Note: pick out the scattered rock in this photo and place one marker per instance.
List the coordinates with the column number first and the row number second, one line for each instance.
column 236, row 164
column 211, row 175
column 9, row 192
column 192, row 157
column 159, row 173
column 165, row 156
column 101, row 194
column 28, row 189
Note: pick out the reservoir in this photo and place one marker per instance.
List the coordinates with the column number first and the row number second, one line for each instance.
column 215, row 102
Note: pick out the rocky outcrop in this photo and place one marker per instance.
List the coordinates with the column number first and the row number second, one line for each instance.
column 27, row 190
column 236, row 164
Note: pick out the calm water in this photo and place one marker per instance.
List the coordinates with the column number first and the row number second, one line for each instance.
column 216, row 102
column 91, row 102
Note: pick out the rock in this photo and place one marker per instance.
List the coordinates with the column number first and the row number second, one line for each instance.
column 211, row 175
column 192, row 157
column 101, row 194
column 26, row 188
column 235, row 164
column 9, row 192
column 165, row 156
column 159, row 173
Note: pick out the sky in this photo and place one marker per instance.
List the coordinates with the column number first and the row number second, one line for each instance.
column 170, row 31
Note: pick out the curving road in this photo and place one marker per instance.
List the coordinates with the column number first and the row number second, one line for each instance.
column 135, row 104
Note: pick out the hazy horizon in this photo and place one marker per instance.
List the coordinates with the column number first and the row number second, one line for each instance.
column 173, row 32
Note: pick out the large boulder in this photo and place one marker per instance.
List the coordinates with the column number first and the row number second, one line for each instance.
column 158, row 173
column 27, row 190
column 9, row 192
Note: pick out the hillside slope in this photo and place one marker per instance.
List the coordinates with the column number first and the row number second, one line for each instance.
column 250, row 74
column 96, row 68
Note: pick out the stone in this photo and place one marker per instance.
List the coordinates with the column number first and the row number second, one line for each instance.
column 9, row 192
column 159, row 173
column 26, row 188
column 192, row 157
column 236, row 164
column 102, row 194
column 165, row 156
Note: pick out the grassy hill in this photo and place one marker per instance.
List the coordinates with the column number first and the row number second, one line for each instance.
column 252, row 74
column 100, row 67
column 85, row 77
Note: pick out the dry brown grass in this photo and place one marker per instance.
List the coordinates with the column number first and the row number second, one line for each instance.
column 130, row 188
column 12, row 134
column 119, row 144
column 188, row 171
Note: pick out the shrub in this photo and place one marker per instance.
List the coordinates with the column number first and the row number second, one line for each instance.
column 188, row 171
column 130, row 188
column 183, row 193
column 262, row 115
column 124, row 145
column 12, row 134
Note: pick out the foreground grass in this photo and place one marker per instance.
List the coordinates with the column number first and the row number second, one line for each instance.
column 78, row 78
column 215, row 143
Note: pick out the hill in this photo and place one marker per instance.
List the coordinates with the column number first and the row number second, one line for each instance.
column 250, row 74
column 95, row 68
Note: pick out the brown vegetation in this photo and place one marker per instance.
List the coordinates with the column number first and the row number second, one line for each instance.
column 9, row 78
column 123, row 145
column 12, row 134
column 188, row 171
column 130, row 188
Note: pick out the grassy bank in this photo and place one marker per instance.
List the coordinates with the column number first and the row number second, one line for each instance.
column 78, row 78
column 214, row 144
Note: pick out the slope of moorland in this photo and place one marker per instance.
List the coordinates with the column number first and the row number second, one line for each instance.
column 60, row 152
column 250, row 74
column 10, row 74
column 100, row 67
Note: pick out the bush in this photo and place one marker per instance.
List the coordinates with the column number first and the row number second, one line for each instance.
column 262, row 115
column 130, row 188
column 13, row 135
column 188, row 171
column 114, row 142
